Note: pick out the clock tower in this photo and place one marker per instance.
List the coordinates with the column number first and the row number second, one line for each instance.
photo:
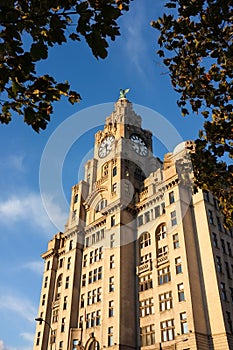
column 139, row 265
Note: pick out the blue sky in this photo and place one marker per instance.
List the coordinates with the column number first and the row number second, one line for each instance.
column 25, row 226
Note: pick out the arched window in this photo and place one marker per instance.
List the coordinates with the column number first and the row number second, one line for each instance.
column 144, row 240
column 101, row 205
column 161, row 232
column 94, row 345
column 58, row 289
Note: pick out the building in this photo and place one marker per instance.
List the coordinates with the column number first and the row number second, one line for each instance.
column 143, row 261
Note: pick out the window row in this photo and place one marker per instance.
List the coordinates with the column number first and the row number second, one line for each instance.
column 61, row 263
column 95, row 255
column 93, row 319
column 94, row 238
column 167, row 329
column 225, row 245
column 151, row 214
column 161, row 233
column 224, row 268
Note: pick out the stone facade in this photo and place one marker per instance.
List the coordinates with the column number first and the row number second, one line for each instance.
column 144, row 262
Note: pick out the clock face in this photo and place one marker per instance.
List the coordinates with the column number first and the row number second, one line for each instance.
column 138, row 145
column 106, row 146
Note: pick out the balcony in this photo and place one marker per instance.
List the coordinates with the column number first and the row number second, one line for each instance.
column 163, row 259
column 147, row 266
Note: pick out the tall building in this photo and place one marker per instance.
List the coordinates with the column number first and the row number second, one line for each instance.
column 143, row 261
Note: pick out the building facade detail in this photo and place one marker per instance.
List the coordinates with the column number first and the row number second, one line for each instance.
column 144, row 262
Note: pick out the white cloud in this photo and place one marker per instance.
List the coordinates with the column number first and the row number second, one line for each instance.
column 27, row 336
column 35, row 266
column 23, row 307
column 135, row 45
column 28, row 207
column 14, row 161
column 2, row 345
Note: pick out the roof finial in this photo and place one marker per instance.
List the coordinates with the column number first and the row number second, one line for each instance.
column 123, row 93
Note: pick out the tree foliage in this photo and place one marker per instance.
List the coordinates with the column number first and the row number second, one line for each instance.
column 27, row 30
column 196, row 45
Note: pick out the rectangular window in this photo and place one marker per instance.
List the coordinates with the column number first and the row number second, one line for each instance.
column 157, row 211
column 53, row 336
column 111, row 284
column 145, row 258
column 162, row 251
column 110, row 336
column 145, row 282
column 223, row 291
column 93, row 239
column 206, row 196
column 98, row 318
column 167, row 330
column 90, row 277
column 100, row 275
column 219, row 224
column 229, row 321
column 85, row 260
column 171, row 197
column 71, row 244
column 84, row 277
column 99, row 291
column 165, row 301
column 68, row 263
column 89, row 298
column 88, row 320
column 181, row 296
column 229, row 248
column 82, row 301
column 223, row 246
column 63, row 324
column 178, row 265
column 113, row 220
column 219, row 264
column 95, row 275
column 173, row 218
column 114, row 171
column 55, row 315
column 176, row 243
column 91, row 257
column 211, row 218
column 231, row 294
column 111, row 308
column 140, row 220
column 67, row 283
column 112, row 262
column 43, row 299
column 112, row 240
column 96, row 255
column 227, row 270
column 183, row 323
column 146, row 307
column 94, row 296
column 147, row 335
column 147, row 217
column 38, row 338
column 76, row 198
column 100, row 253
column 215, row 240
column 60, row 345
column 65, row 303
column 114, row 187
column 164, row 275
column 46, row 282
column 87, row 241
column 80, row 322
column 48, row 265
column 61, row 262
